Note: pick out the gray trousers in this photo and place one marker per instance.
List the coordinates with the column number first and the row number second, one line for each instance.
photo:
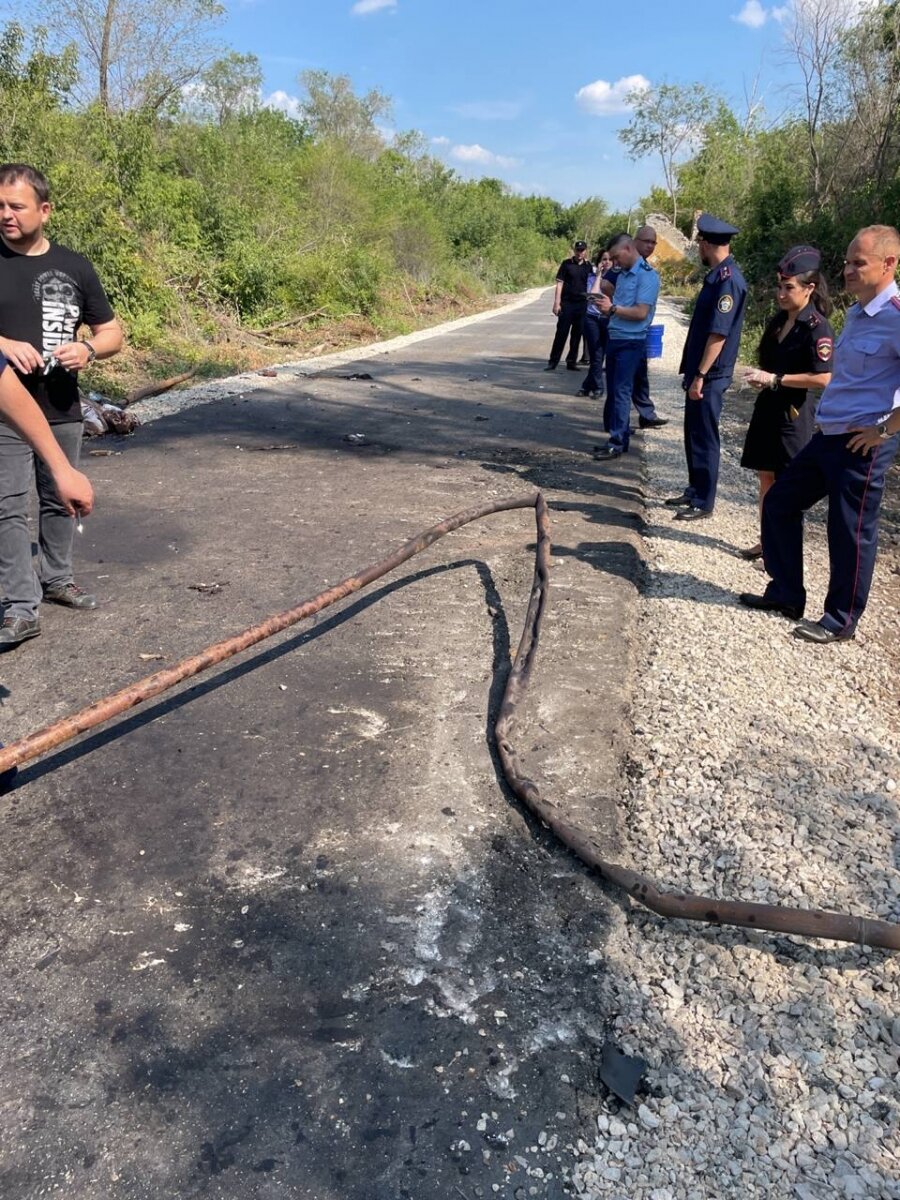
column 20, row 583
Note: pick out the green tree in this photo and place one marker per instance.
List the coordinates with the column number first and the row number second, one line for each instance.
column 333, row 112
column 135, row 53
column 229, row 87
column 666, row 121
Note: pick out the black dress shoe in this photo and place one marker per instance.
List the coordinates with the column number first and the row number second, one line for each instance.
column 583, row 392
column 815, row 631
column 682, row 501
column 550, row 367
column 571, row 366
column 607, row 452
column 652, row 422
column 792, row 611
column 752, row 553
column 693, row 514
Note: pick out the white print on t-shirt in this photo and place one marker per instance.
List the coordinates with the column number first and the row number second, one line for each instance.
column 58, row 295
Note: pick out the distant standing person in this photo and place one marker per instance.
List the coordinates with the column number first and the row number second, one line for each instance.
column 630, row 313
column 847, row 458
column 645, row 240
column 596, row 327
column 795, row 355
column 46, row 293
column 707, row 364
column 569, row 304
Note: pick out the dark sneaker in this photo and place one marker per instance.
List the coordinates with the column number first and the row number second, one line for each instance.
column 15, row 630
column 71, row 595
column 607, row 452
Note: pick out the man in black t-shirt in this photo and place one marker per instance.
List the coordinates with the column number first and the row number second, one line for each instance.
column 569, row 304
column 46, row 293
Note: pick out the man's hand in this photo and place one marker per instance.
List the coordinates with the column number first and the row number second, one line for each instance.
column 23, row 356
column 695, row 391
column 866, row 438
column 604, row 304
column 556, row 308
column 74, row 490
column 74, row 356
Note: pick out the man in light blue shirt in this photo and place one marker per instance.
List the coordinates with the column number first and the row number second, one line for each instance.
column 847, row 460
column 630, row 311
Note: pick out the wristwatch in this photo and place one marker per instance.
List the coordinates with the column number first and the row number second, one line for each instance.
column 92, row 353
column 613, row 309
column 699, row 374
column 883, row 432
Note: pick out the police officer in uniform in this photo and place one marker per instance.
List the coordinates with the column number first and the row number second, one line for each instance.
column 707, row 364
column 569, row 306
column 847, row 460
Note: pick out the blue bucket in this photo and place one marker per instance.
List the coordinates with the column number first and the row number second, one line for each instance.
column 655, row 341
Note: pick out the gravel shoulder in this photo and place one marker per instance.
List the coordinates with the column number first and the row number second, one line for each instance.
column 765, row 769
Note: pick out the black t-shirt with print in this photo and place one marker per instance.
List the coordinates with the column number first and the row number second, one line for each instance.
column 43, row 300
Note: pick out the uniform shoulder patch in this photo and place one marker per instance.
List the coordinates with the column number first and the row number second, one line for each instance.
column 726, row 304
column 725, row 272
column 824, row 348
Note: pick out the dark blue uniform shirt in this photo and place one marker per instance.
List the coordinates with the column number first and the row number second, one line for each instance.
column 720, row 309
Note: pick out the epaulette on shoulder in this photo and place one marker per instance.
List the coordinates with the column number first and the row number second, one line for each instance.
column 895, row 300
column 725, row 272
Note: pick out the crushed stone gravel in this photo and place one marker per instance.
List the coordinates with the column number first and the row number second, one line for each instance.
column 763, row 768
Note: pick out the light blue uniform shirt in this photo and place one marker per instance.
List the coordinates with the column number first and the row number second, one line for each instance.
column 640, row 285
column 865, row 384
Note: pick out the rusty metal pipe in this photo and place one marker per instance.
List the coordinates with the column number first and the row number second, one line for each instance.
column 684, row 906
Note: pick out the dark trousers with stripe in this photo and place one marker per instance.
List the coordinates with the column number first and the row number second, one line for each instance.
column 701, row 442
column 854, row 485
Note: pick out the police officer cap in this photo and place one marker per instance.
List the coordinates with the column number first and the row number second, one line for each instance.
column 800, row 259
column 713, row 230
column 580, row 245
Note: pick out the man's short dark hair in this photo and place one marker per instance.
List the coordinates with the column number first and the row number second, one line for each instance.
column 24, row 173
column 616, row 240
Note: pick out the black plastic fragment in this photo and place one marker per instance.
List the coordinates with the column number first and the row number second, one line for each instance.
column 620, row 1071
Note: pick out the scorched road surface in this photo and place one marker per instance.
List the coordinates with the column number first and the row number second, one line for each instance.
column 284, row 933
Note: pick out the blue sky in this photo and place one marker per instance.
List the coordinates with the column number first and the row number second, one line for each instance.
column 494, row 84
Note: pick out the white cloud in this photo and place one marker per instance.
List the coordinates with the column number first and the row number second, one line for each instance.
column 489, row 110
column 603, row 99
column 440, row 141
column 363, row 7
column 485, row 158
column 754, row 14
column 283, row 102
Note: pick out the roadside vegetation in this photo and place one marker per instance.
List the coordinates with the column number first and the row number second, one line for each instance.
column 229, row 234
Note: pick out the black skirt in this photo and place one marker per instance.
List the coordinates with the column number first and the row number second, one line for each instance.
column 774, row 435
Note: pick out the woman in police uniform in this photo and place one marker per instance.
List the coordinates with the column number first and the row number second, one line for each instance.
column 795, row 355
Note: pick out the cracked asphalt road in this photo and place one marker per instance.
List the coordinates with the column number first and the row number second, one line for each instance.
column 284, row 932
